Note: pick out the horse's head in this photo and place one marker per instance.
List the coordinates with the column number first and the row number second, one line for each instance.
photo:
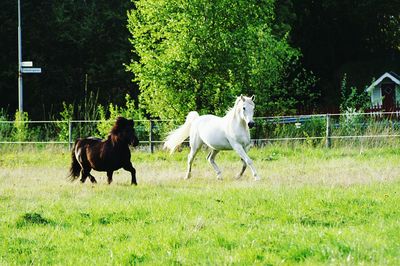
column 124, row 130
column 245, row 107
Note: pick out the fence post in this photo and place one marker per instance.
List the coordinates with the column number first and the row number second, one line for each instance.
column 328, row 131
column 151, row 136
column 69, row 134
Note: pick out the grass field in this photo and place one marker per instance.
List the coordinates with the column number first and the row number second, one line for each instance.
column 313, row 206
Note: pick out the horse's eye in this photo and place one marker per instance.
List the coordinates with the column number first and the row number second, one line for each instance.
column 244, row 108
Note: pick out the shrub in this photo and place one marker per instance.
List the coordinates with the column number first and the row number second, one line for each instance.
column 20, row 131
column 63, row 127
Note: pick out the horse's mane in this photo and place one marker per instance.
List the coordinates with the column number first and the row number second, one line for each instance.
column 116, row 132
column 232, row 110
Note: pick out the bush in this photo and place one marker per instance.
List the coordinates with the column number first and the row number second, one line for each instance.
column 21, row 128
column 109, row 115
column 5, row 126
column 63, row 127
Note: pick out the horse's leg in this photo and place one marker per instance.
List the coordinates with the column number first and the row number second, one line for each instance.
column 83, row 176
column 243, row 155
column 243, row 169
column 109, row 176
column 210, row 158
column 195, row 144
column 131, row 169
column 92, row 179
column 191, row 156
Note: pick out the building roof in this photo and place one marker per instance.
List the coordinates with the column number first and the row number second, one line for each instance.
column 391, row 75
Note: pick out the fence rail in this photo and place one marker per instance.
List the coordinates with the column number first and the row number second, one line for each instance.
column 320, row 129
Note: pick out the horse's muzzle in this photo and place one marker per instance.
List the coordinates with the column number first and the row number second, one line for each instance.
column 251, row 124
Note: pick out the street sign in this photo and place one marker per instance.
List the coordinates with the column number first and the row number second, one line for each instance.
column 31, row 70
column 27, row 64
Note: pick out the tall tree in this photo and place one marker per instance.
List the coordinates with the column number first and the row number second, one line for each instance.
column 199, row 54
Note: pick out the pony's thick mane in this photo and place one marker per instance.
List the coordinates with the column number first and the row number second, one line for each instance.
column 117, row 129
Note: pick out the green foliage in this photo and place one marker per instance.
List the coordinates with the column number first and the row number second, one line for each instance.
column 21, row 126
column 352, row 104
column 299, row 94
column 351, row 123
column 66, row 115
column 199, row 55
column 351, row 99
column 86, row 110
column 5, row 127
column 110, row 114
column 277, row 128
column 105, row 124
column 87, row 107
column 3, row 115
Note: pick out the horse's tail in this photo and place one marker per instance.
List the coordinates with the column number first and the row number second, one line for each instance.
column 75, row 169
column 179, row 135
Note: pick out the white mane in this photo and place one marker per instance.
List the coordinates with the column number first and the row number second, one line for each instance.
column 232, row 111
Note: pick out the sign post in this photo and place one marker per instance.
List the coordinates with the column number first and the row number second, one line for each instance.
column 23, row 67
column 19, row 60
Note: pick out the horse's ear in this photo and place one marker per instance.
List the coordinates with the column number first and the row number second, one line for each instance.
column 253, row 97
column 242, row 97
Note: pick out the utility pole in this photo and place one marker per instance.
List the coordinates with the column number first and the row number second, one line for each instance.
column 23, row 67
column 20, row 96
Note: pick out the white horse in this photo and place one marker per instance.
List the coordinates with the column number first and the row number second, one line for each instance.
column 218, row 133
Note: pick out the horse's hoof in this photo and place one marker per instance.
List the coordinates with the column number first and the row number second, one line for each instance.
column 134, row 183
column 257, row 178
column 219, row 177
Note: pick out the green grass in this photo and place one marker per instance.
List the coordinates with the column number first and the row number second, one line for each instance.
column 313, row 206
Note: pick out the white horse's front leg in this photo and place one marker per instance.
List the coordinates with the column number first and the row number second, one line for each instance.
column 243, row 155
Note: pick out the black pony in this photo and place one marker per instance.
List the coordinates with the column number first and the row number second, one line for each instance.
column 105, row 155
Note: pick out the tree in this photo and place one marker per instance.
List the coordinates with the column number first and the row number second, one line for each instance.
column 80, row 45
column 357, row 37
column 199, row 55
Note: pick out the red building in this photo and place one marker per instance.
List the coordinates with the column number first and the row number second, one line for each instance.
column 385, row 93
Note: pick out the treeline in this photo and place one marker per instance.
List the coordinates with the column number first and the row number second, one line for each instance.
column 197, row 54
column 81, row 47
